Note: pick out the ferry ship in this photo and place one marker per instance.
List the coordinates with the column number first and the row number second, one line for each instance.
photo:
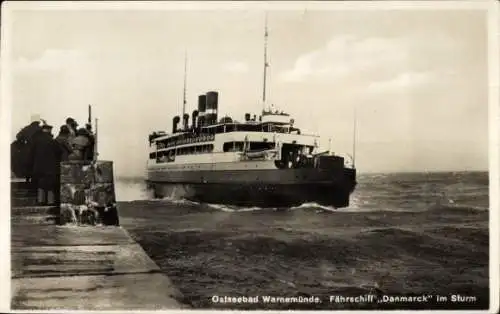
column 263, row 161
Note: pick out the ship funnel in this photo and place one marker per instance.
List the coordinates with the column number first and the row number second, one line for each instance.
column 185, row 121
column 176, row 121
column 202, row 103
column 202, row 106
column 194, row 118
column 212, row 107
column 247, row 117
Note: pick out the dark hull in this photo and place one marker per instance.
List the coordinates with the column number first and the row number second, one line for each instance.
column 333, row 192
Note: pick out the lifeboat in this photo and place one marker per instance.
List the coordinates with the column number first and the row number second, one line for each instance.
column 260, row 154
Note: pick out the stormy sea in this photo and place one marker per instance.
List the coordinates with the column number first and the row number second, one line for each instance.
column 408, row 241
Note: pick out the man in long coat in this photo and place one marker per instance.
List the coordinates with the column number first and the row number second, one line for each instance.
column 80, row 145
column 72, row 127
column 89, row 154
column 47, row 155
column 63, row 138
column 22, row 150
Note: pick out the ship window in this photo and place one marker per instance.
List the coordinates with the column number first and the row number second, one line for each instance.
column 232, row 147
column 261, row 145
column 249, row 127
column 268, row 127
column 195, row 149
column 161, row 157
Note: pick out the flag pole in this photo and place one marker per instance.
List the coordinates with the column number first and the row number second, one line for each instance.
column 89, row 120
column 96, row 154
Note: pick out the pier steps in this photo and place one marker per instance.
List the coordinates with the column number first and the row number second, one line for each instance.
column 22, row 195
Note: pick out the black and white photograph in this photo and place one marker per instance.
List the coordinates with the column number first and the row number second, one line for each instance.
column 250, row 155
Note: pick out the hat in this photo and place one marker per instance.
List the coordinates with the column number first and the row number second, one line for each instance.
column 71, row 121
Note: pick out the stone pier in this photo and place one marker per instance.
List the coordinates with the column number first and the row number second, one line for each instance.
column 66, row 266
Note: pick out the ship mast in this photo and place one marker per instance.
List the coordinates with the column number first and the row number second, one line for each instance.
column 184, row 89
column 266, row 64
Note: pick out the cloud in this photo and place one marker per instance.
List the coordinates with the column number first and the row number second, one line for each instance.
column 236, row 67
column 51, row 60
column 349, row 55
column 346, row 55
column 401, row 82
column 53, row 80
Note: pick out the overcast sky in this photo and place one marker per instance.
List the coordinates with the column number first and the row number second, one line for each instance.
column 417, row 78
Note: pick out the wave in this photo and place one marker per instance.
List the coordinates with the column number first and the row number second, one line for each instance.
column 132, row 190
column 368, row 201
column 176, row 200
column 372, row 210
column 304, row 206
column 313, row 205
column 233, row 209
column 466, row 207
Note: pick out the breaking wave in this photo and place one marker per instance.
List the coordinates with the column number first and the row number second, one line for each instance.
column 128, row 190
column 176, row 200
column 313, row 205
column 232, row 209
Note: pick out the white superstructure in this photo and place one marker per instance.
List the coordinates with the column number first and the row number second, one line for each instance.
column 229, row 146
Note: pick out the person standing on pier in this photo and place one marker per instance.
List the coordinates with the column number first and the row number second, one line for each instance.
column 72, row 127
column 80, row 145
column 64, row 142
column 47, row 155
column 89, row 155
column 22, row 147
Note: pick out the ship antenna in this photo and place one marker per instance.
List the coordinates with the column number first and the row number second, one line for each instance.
column 184, row 89
column 266, row 64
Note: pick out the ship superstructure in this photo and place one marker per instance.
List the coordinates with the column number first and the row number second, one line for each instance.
column 265, row 160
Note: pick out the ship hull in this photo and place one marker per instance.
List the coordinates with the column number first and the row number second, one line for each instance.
column 285, row 188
